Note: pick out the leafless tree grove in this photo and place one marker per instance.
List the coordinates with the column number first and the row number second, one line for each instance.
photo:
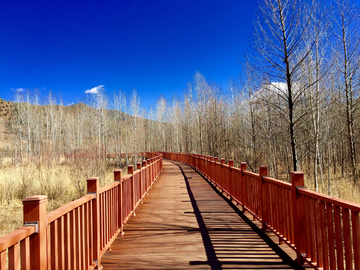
column 295, row 107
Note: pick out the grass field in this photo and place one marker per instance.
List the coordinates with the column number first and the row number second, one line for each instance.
column 62, row 183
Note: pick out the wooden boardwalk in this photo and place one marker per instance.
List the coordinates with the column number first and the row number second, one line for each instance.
column 185, row 224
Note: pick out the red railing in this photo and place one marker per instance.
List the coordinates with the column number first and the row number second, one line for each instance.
column 324, row 231
column 76, row 235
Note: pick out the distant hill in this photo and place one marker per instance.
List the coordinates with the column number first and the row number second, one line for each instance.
column 6, row 112
column 5, row 108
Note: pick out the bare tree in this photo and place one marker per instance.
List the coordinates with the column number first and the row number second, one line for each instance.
column 347, row 50
column 281, row 49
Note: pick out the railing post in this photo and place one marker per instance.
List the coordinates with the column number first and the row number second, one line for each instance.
column 151, row 171
column 210, row 169
column 93, row 188
column 231, row 180
column 34, row 208
column 222, row 174
column 215, row 170
column 138, row 167
column 144, row 163
column 131, row 171
column 243, row 185
column 118, row 177
column 297, row 181
column 148, row 174
column 263, row 171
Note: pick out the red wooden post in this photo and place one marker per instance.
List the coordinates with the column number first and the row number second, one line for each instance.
column 152, row 178
column 231, row 180
column 243, row 185
column 297, row 180
column 117, row 177
column 34, row 208
column 216, row 159
column 131, row 171
column 222, row 174
column 138, row 167
column 93, row 188
column 148, row 174
column 144, row 164
column 264, row 202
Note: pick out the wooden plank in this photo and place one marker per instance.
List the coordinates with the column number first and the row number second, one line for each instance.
column 319, row 240
column 291, row 218
column 48, row 246
column 331, row 235
column 325, row 250
column 25, row 254
column 73, row 258
column 3, row 263
column 54, row 244
column 309, row 229
column 356, row 238
column 339, row 239
column 91, row 233
column 61, row 242
column 67, row 242
column 13, row 257
column 77, row 238
column 347, row 239
column 88, row 248
column 82, row 237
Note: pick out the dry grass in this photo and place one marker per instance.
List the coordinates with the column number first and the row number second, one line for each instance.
column 340, row 187
column 62, row 183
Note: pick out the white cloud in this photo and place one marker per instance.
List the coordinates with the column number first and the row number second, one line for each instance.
column 95, row 90
column 20, row 90
column 278, row 86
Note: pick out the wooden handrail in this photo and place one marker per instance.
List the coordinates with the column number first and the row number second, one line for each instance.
column 76, row 235
column 15, row 237
column 329, row 199
column 61, row 211
column 323, row 230
column 108, row 187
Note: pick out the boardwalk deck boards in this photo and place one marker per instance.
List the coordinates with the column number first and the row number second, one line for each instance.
column 185, row 224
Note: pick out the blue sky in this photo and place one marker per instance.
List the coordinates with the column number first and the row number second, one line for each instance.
column 156, row 47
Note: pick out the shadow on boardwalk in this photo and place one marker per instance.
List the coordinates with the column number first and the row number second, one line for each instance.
column 185, row 224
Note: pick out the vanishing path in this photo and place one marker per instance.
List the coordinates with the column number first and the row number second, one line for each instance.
column 185, row 224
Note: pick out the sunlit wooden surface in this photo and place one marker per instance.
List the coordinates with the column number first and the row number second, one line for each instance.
column 185, row 224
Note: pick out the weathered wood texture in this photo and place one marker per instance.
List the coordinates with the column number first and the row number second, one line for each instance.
column 185, row 224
